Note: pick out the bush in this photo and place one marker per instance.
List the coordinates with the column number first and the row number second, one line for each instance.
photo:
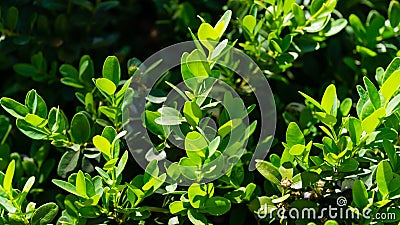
column 68, row 161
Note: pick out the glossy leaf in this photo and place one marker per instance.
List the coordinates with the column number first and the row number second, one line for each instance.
column 112, row 70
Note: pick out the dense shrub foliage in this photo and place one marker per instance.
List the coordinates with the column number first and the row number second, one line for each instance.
column 333, row 68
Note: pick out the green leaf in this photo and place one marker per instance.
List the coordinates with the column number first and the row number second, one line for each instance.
column 294, row 135
column 372, row 121
column 25, row 69
column 122, row 163
column 358, row 27
column 80, row 128
column 249, row 22
column 329, row 101
column 81, row 184
column 36, row 104
column 316, row 5
column 112, row 71
column 217, row 206
column 335, row 27
column 65, row 186
column 35, row 120
column 223, row 22
column 169, row 116
column 394, row 13
column 106, row 85
column 207, row 33
column 28, row 185
column 345, row 106
column 393, row 105
column 13, row 107
column 71, row 82
column 8, row 177
column 384, row 175
column 34, row 132
column 69, row 71
column 348, row 165
column 151, row 125
column 177, row 207
column 199, row 193
column 192, row 113
column 68, row 163
column 297, row 149
column 195, row 146
column 110, row 164
column 360, row 195
column 86, row 71
column 197, row 218
column 354, row 127
column 391, row 153
column 103, row 145
column 372, row 93
column 269, row 171
column 393, row 66
column 391, row 85
column 299, row 15
column 311, row 100
column 57, row 120
column 197, row 63
column 44, row 214
column 11, row 18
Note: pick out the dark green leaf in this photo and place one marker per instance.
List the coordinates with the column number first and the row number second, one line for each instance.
column 44, row 214
column 80, row 128
column 112, row 70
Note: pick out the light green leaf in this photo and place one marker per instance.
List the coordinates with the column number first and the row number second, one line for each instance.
column 391, row 85
column 345, row 106
column 329, row 101
column 177, row 207
column 122, row 163
column 8, row 177
column 81, row 184
column 249, row 22
column 192, row 113
column 297, row 149
column 196, row 146
column 199, row 193
column 311, row 100
column 294, row 135
column 372, row 121
column 106, row 85
column 103, row 145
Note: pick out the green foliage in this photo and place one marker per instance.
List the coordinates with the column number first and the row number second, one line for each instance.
column 74, row 153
